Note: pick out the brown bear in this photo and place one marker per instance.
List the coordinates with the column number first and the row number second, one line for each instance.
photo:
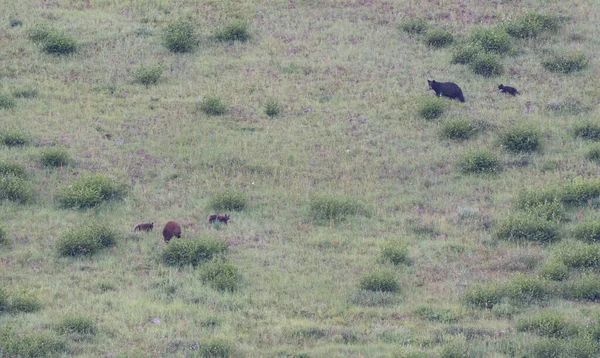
column 220, row 218
column 144, row 227
column 171, row 229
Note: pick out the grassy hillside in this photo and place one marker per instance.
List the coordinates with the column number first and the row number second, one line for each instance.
column 369, row 218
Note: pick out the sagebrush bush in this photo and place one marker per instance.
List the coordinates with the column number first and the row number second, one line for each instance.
column 14, row 138
column 229, row 200
column 486, row 65
column 235, row 31
column 554, row 270
column 578, row 254
column 432, row 108
column 30, row 344
column 54, row 157
column 76, row 324
column 438, row 38
column 492, row 40
column 483, row 296
column 521, row 138
column 587, row 130
column 333, row 207
column 593, row 153
column 379, row 280
column 579, row 191
column 6, row 101
column 395, row 252
column 216, row 348
column 587, row 231
column 458, row 129
column 58, row 43
column 478, row 161
column 532, row 24
column 565, row 62
column 464, row 54
column 414, row 26
column 180, row 36
column 528, row 227
column 272, row 108
column 587, row 288
column 148, row 75
column 86, row 240
column 12, row 168
column 212, row 105
column 220, row 275
column 547, row 323
column 24, row 302
column 15, row 188
column 181, row 252
column 89, row 191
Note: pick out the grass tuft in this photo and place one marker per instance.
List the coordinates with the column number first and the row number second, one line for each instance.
column 76, row 324
column 587, row 130
column 533, row 24
column 593, row 153
column 86, row 240
column 554, row 270
column 24, row 302
column 216, row 348
column 379, row 280
column 521, row 138
column 14, row 138
column 212, row 105
column 486, row 65
column 235, row 31
column 578, row 254
column 15, row 188
column 89, row 191
column 395, row 252
column 528, row 227
column 7, row 102
column 483, row 296
column 272, row 108
column 587, row 231
column 54, row 157
column 220, row 275
column 464, row 54
column 432, row 108
column 479, row 161
column 182, row 252
column 414, row 26
column 492, row 40
column 565, row 62
column 547, row 323
column 148, row 75
column 587, row 288
column 180, row 36
column 30, row 344
column 525, row 288
column 229, row 200
column 326, row 207
column 438, row 38
column 12, row 169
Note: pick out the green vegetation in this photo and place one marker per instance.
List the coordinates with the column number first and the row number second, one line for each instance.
column 235, row 31
column 521, row 138
column 229, row 200
column 492, row 40
column 395, row 252
column 528, row 227
column 24, row 302
column 220, row 275
column 6, row 101
column 148, row 75
column 86, row 240
column 458, row 129
column 273, row 108
column 432, row 108
column 14, row 138
column 438, row 38
column 89, row 191
column 52, row 41
column 587, row 130
column 76, row 324
column 334, row 207
column 414, row 26
column 533, row 24
column 479, row 161
column 464, row 53
column 486, row 65
column 55, row 157
column 212, row 105
column 565, row 62
column 180, row 36
column 379, row 280
column 182, row 252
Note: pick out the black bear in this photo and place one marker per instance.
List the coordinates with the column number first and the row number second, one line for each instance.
column 171, row 229
column 144, row 227
column 446, row 89
column 507, row 89
column 220, row 218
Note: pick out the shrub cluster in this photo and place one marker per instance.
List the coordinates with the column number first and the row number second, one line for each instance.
column 587, row 130
column 522, row 138
column 235, row 31
column 464, row 54
column 6, row 101
column 229, row 200
column 15, row 188
column 14, row 138
column 438, row 38
column 528, row 227
column 86, row 240
column 272, row 108
column 414, row 26
column 182, row 252
column 483, row 296
column 568, row 106
column 578, row 254
column 395, row 252
column 548, row 324
column 53, row 41
column 593, row 153
column 486, row 65
column 432, row 108
column 76, row 324
column 554, row 270
column 587, row 231
column 26, row 93
column 24, row 302
column 532, row 24
column 564, row 62
column 149, row 75
column 579, row 191
column 212, row 105
column 587, row 288
column 479, row 161
column 89, row 191
column 525, row 288
column 492, row 40
column 325, row 207
column 54, row 157
column 221, row 275
column 30, row 344
column 379, row 280
column 458, row 129
column 217, row 348
column 180, row 36
column 12, row 168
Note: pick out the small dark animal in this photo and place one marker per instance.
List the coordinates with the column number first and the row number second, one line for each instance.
column 220, row 218
column 446, row 89
column 144, row 227
column 508, row 89
column 171, row 229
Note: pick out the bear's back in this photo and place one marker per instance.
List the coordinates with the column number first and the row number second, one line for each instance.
column 171, row 229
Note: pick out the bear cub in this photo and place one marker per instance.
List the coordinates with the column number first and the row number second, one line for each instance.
column 446, row 89
column 508, row 89
column 144, row 227
column 220, row 218
column 171, row 229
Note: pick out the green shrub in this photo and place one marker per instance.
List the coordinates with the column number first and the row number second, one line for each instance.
column 504, row 310
column 492, row 40
column 216, row 348
column 14, row 138
column 436, row 314
column 379, row 280
column 464, row 54
column 24, row 302
column 546, row 348
column 272, row 108
column 532, row 24
column 148, row 75
column 15, row 188
column 3, row 300
column 432, row 108
column 455, row 348
column 587, row 231
column 479, row 161
column 578, row 254
column 3, row 241
column 438, row 38
column 565, row 62
column 521, row 138
column 220, row 275
column 12, row 169
column 26, row 93
column 54, row 157
column 374, row 298
column 593, row 153
column 528, row 227
column 7, row 102
column 528, row 199
column 414, row 26
column 486, row 65
column 212, row 105
column 325, row 207
column 235, row 31
column 579, row 191
column 587, row 130
column 76, row 324
column 525, row 288
column 458, row 129
column 547, row 324
column 227, row 200
column 39, row 33
column 587, row 288
column 58, row 43
column 181, row 252
column 180, row 36
column 550, row 211
column 581, row 347
column 554, row 270
column 89, row 191
column 86, row 240
column 395, row 252
column 30, row 344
